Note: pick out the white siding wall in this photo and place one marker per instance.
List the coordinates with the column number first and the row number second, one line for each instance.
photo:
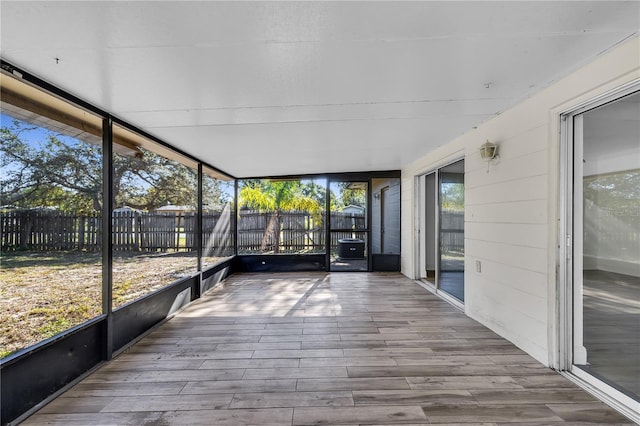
column 511, row 212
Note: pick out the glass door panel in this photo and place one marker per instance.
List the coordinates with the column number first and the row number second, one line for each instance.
column 451, row 229
column 348, row 230
column 607, row 243
column 441, row 229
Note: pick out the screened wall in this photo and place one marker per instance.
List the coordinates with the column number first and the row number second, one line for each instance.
column 51, row 169
column 62, row 176
column 281, row 216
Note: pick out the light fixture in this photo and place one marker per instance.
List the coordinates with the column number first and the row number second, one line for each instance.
column 489, row 153
column 488, row 150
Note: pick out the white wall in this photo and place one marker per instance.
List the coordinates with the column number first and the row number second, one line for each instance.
column 511, row 212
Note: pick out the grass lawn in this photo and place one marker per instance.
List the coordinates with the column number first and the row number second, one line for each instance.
column 42, row 294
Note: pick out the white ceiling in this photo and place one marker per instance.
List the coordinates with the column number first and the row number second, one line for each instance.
column 278, row 88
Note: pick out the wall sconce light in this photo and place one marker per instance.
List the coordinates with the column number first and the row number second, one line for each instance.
column 489, row 153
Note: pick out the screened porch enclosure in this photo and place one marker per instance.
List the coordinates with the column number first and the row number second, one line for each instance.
column 126, row 230
column 283, row 212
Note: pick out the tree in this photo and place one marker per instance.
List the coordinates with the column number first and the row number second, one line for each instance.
column 617, row 192
column 42, row 168
column 149, row 181
column 276, row 197
column 452, row 196
column 350, row 196
column 216, row 194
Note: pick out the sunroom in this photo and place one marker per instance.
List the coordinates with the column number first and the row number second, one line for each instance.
column 384, row 169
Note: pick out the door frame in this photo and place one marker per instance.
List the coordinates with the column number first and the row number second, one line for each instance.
column 366, row 230
column 383, row 216
column 420, row 243
column 569, row 256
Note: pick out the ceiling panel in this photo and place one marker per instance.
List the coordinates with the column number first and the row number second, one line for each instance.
column 334, row 146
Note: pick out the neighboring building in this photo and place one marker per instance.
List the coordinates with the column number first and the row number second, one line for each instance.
column 351, row 209
column 170, row 208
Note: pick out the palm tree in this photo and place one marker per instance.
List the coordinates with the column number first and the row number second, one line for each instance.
column 277, row 197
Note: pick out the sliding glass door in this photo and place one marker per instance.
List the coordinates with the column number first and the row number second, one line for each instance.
column 599, row 257
column 441, row 229
column 606, row 249
column 451, row 230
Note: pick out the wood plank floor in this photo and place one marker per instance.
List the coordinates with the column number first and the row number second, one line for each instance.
column 317, row 348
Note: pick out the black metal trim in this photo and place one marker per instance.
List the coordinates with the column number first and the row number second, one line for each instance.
column 280, row 263
column 385, row 262
column 327, row 236
column 214, row 275
column 198, row 230
column 361, row 176
column 22, row 353
column 369, row 223
column 217, row 268
column 156, row 291
column 35, row 373
column 107, row 241
column 133, row 319
column 234, row 219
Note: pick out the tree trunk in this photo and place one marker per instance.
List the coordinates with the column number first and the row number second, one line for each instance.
column 273, row 228
column 276, row 248
column 267, row 234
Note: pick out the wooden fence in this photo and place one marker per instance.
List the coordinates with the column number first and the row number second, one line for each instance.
column 301, row 232
column 43, row 231
column 133, row 231
column 452, row 232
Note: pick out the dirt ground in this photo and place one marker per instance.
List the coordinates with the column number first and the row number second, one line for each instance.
column 42, row 294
